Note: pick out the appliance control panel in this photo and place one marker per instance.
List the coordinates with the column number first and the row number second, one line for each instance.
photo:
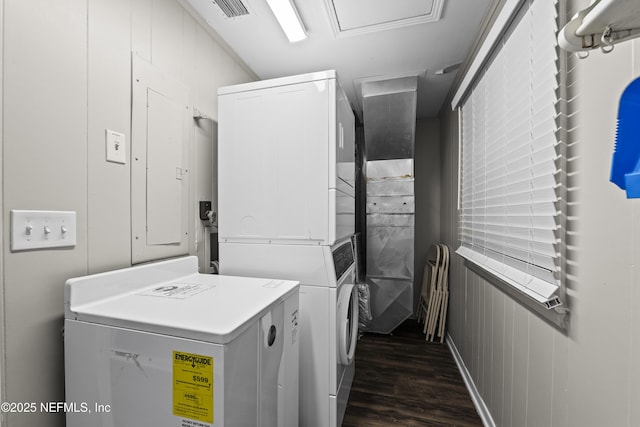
column 343, row 258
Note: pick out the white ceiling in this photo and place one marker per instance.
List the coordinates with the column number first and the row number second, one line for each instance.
column 362, row 39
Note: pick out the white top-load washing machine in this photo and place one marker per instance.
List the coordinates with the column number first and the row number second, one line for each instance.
column 161, row 345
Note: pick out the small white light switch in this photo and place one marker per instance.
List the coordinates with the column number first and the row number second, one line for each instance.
column 116, row 147
column 42, row 229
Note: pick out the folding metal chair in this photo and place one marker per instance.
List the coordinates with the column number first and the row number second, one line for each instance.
column 437, row 308
column 429, row 277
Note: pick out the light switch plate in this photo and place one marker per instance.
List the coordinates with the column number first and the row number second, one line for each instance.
column 116, row 147
column 42, row 229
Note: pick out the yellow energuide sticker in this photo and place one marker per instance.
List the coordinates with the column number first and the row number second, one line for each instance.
column 193, row 386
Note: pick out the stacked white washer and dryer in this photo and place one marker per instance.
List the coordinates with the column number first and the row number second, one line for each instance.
column 286, row 174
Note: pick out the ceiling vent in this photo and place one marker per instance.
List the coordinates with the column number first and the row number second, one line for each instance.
column 232, row 8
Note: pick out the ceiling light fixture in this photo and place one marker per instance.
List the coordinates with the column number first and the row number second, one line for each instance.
column 288, row 18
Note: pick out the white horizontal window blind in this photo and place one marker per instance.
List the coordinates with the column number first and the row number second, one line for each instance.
column 510, row 162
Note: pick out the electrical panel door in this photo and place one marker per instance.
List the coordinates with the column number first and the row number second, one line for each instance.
column 159, row 179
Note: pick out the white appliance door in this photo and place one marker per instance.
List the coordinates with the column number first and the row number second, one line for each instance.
column 271, row 346
column 273, row 159
column 347, row 323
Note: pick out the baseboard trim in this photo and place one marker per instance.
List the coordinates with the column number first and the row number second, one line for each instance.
column 481, row 407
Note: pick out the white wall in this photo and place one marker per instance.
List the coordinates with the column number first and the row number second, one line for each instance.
column 66, row 78
column 44, row 167
column 606, row 293
column 527, row 372
column 427, row 191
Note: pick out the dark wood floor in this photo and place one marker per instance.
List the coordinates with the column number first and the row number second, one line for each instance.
column 403, row 380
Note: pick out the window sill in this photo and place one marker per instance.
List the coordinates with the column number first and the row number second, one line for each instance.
column 558, row 317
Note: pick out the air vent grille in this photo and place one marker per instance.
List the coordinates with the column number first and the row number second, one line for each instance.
column 232, row 8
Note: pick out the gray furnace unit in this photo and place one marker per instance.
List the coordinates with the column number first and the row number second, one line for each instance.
column 389, row 116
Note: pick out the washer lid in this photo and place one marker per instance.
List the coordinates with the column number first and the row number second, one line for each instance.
column 204, row 307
